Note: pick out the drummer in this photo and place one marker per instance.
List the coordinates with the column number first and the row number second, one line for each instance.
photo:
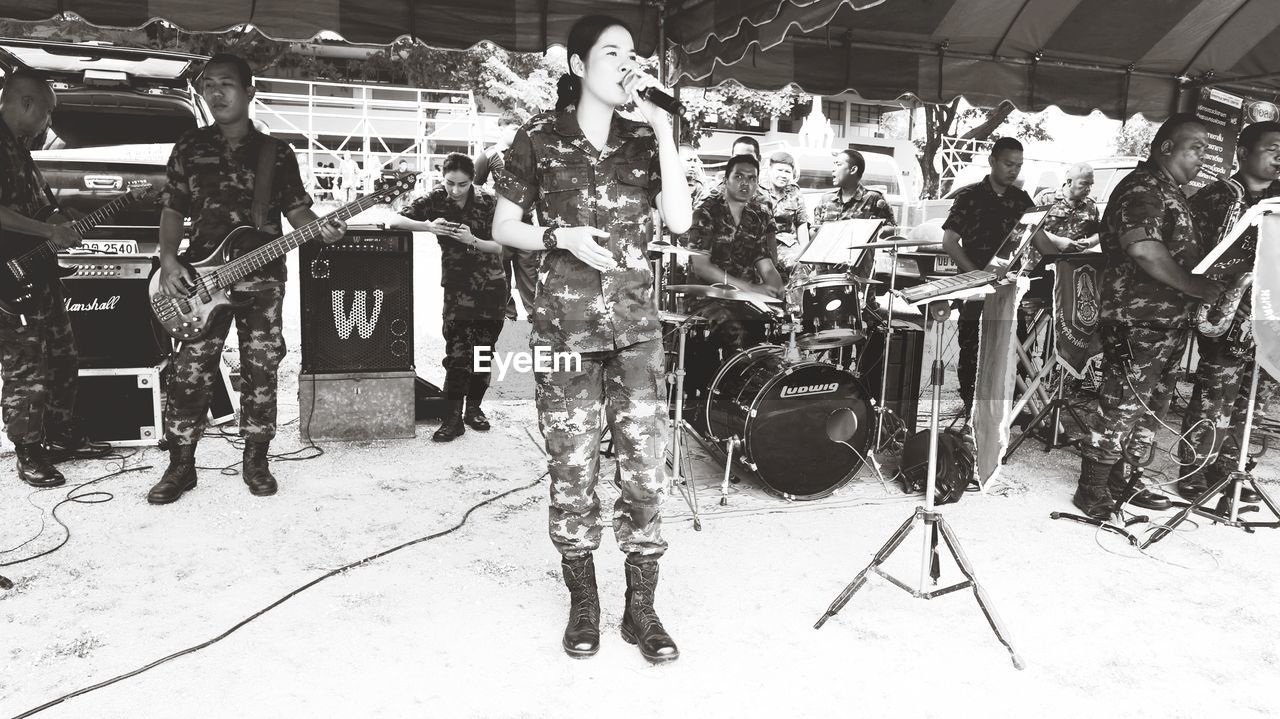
column 738, row 234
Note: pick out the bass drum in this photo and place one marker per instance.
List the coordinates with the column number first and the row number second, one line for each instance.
column 792, row 421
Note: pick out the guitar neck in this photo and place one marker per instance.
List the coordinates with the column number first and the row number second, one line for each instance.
column 250, row 262
column 48, row 250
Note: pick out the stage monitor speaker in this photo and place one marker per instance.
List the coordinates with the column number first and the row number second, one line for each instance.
column 906, row 357
column 110, row 311
column 357, row 303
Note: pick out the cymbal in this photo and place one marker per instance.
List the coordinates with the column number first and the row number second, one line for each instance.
column 676, row 250
column 722, row 293
column 864, row 281
column 675, row 318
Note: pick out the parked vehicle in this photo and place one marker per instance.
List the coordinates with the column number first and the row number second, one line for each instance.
column 119, row 112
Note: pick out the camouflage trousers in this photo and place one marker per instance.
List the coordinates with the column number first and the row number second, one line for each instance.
column 461, row 336
column 522, row 273
column 1136, row 392
column 625, row 388
column 38, row 364
column 195, row 367
column 1215, row 420
column 968, row 334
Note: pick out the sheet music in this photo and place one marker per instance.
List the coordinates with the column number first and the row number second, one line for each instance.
column 836, row 243
column 1230, row 252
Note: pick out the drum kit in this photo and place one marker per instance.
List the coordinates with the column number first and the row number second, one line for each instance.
column 791, row 414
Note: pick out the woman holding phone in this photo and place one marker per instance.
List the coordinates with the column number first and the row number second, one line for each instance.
column 596, row 178
column 475, row 286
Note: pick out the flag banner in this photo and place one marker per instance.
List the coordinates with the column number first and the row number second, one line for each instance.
column 997, row 362
column 1266, row 296
column 1076, row 311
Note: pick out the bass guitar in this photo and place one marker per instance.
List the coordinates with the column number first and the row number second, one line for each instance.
column 191, row 317
column 31, row 262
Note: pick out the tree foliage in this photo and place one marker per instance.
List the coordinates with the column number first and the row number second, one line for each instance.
column 730, row 103
column 948, row 120
column 1134, row 137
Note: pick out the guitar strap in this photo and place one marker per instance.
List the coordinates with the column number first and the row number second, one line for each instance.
column 262, row 181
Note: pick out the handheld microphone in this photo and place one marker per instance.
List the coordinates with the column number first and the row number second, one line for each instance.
column 662, row 100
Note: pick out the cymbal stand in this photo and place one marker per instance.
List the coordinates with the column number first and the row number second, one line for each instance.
column 933, row 525
column 882, row 406
column 679, row 479
column 1228, row 509
column 729, row 445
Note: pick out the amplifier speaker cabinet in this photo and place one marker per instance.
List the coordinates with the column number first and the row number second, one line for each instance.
column 120, row 406
column 110, row 311
column 906, row 355
column 357, row 303
column 356, row 405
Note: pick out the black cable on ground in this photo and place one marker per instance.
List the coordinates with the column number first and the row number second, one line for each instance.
column 278, row 602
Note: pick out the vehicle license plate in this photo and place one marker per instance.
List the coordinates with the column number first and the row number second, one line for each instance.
column 114, row 247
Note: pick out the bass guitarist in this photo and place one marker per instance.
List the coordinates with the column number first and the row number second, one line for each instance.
column 212, row 179
column 37, row 350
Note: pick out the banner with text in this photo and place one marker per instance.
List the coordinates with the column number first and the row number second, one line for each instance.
column 1266, row 296
column 1224, row 114
column 1076, row 311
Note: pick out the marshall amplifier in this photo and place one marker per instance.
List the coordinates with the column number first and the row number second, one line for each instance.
column 110, row 311
column 357, row 303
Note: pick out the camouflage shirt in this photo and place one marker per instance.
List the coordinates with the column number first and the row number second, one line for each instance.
column 863, row 205
column 212, row 182
column 1072, row 219
column 734, row 248
column 1146, row 199
column 552, row 165
column 789, row 211
column 21, row 189
column 983, row 219
column 1213, row 202
column 470, row 278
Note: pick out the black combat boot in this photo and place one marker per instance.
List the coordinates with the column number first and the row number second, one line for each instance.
column 1194, row 485
column 178, row 478
column 582, row 634
column 474, row 416
column 640, row 623
column 35, row 468
column 254, row 470
column 1247, row 495
column 1092, row 496
column 74, row 444
column 1139, row 496
column 451, row 426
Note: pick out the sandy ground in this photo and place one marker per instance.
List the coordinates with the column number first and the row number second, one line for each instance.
column 469, row 624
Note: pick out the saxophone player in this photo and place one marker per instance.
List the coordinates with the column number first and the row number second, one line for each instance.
column 1147, row 296
column 1214, row 421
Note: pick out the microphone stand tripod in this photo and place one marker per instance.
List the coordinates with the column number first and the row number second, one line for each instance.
column 933, row 523
column 1228, row 509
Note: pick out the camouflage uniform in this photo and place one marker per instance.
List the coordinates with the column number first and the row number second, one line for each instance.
column 521, row 267
column 1073, row 219
column 38, row 361
column 610, row 318
column 1220, row 400
column 789, row 213
column 982, row 219
column 475, row 289
column 212, row 182
column 865, row 204
column 1148, row 317
column 735, row 248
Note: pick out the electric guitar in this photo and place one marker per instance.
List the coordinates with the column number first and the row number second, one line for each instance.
column 190, row 318
column 31, row 262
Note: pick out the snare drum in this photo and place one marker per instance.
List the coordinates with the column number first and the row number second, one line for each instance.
column 830, row 313
column 783, row 415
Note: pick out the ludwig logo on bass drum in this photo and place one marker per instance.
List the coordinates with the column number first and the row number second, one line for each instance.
column 810, row 389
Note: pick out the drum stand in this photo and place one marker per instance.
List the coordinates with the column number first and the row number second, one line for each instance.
column 1228, row 509
column 681, row 482
column 934, row 525
column 882, row 407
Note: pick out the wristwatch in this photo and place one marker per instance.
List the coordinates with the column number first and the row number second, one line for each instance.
column 549, row 238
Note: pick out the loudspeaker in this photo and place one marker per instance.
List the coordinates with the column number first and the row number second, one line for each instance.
column 357, row 303
column 120, row 406
column 110, row 311
column 906, row 355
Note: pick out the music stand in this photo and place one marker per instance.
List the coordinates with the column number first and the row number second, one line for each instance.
column 932, row 522
column 837, row 242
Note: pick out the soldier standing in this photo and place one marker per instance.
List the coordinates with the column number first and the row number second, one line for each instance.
column 37, row 352
column 475, row 286
column 594, row 177
column 1147, row 295
column 212, row 173
column 850, row 201
column 1220, row 399
column 789, row 213
column 981, row 217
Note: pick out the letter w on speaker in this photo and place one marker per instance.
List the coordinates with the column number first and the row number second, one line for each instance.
column 358, row 318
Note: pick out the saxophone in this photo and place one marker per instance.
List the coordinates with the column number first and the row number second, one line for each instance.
column 1213, row 319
